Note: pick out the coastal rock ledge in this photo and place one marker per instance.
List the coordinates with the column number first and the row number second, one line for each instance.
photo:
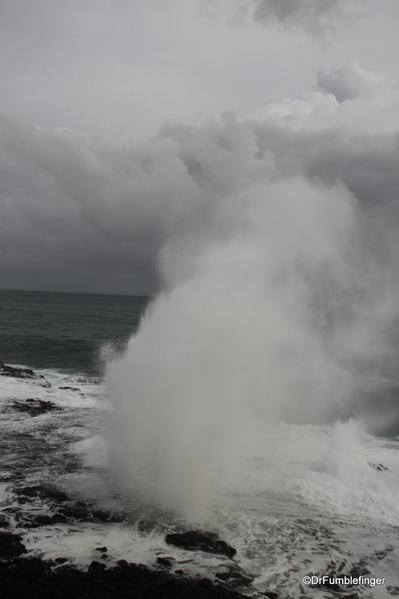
column 199, row 540
column 23, row 373
column 33, row 578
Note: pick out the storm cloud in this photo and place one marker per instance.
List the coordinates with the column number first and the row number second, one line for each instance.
column 309, row 13
column 78, row 214
column 313, row 16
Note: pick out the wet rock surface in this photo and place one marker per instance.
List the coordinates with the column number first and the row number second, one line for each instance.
column 57, row 507
column 83, row 512
column 33, row 578
column 200, row 540
column 34, row 407
column 10, row 545
column 19, row 373
column 4, row 523
column 22, row 373
column 377, row 467
column 48, row 492
column 234, row 575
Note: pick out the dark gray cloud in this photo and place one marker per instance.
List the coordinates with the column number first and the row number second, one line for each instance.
column 311, row 14
column 76, row 213
column 350, row 81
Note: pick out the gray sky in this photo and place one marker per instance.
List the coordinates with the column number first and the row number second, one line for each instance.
column 120, row 68
column 86, row 203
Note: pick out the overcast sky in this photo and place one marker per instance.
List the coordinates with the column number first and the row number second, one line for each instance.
column 94, row 198
column 120, row 68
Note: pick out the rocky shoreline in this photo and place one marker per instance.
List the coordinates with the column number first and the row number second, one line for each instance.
column 24, row 575
column 33, row 578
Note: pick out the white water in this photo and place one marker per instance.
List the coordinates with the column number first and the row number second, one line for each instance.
column 276, row 318
column 305, row 495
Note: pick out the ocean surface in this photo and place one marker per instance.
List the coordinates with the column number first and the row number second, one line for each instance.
column 65, row 331
column 310, row 499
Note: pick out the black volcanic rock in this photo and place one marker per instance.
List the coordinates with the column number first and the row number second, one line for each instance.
column 34, row 407
column 24, row 578
column 234, row 575
column 4, row 523
column 19, row 373
column 49, row 492
column 42, row 520
column 165, row 562
column 199, row 540
column 378, row 467
column 22, row 373
column 62, row 511
column 82, row 512
column 10, row 545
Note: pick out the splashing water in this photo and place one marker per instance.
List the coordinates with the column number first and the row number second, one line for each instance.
column 270, row 319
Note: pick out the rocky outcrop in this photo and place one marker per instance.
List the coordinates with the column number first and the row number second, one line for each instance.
column 18, row 373
column 59, row 508
column 23, row 577
column 48, row 492
column 378, row 467
column 83, row 512
column 199, row 540
column 10, row 545
column 34, row 407
column 23, row 373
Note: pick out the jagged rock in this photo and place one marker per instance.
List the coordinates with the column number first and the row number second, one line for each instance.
column 234, row 576
column 43, row 491
column 96, row 569
column 19, row 373
column 69, row 389
column 378, row 467
column 165, row 562
column 198, row 540
column 42, row 520
column 10, row 545
column 22, row 373
column 82, row 512
column 23, row 577
column 34, row 407
column 45, row 384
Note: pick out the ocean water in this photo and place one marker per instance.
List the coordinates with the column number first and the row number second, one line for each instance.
column 66, row 331
column 308, row 499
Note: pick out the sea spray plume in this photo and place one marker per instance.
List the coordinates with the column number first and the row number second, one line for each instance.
column 255, row 326
column 202, row 193
column 278, row 293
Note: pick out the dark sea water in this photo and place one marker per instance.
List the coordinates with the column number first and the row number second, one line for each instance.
column 66, row 331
